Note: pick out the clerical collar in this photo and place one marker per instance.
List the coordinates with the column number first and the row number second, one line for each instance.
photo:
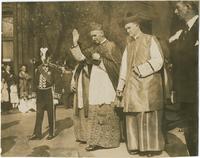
column 136, row 36
column 103, row 41
column 191, row 22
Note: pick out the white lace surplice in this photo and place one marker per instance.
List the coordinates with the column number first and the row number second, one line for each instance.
column 101, row 90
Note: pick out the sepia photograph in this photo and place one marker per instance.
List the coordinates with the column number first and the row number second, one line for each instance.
column 99, row 79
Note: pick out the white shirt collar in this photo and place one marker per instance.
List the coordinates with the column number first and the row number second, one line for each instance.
column 191, row 22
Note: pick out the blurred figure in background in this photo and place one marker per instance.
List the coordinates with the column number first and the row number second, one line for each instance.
column 8, row 77
column 4, row 95
column 14, row 98
column 24, row 79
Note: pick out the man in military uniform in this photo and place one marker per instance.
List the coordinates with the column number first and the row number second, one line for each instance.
column 44, row 93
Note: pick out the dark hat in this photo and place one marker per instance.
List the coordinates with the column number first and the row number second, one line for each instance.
column 130, row 18
column 138, row 17
column 95, row 26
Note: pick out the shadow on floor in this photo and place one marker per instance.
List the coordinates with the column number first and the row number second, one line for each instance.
column 175, row 146
column 60, row 126
column 7, row 143
column 63, row 124
column 7, row 125
column 40, row 151
column 10, row 112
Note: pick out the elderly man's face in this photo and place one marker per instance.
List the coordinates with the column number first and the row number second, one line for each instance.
column 181, row 10
column 97, row 36
column 132, row 29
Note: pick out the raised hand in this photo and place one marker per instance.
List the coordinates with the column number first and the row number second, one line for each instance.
column 75, row 35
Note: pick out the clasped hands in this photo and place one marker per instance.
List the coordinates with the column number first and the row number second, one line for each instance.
column 96, row 58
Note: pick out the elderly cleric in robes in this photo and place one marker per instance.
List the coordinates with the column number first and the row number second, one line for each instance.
column 103, row 122
column 140, row 85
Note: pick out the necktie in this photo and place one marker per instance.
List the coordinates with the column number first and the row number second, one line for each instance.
column 185, row 31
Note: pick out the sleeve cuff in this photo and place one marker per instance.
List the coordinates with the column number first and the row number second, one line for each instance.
column 121, row 85
column 77, row 54
column 74, row 46
column 145, row 69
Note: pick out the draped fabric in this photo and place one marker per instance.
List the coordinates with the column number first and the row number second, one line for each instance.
column 141, row 93
column 83, row 75
column 111, row 56
column 80, row 103
column 80, row 126
column 103, row 121
column 144, row 131
column 103, row 126
column 104, row 77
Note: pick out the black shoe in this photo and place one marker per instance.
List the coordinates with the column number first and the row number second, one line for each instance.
column 153, row 153
column 81, row 141
column 35, row 137
column 50, row 137
column 91, row 148
column 133, row 152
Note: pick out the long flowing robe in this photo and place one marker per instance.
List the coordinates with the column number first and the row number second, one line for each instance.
column 103, row 121
column 23, row 84
column 143, row 93
column 80, row 104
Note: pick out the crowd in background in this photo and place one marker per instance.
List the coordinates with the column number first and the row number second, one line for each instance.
column 104, row 83
column 17, row 90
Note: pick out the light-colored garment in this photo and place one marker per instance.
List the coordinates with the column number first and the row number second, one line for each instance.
column 80, row 81
column 79, row 85
column 144, row 131
column 4, row 92
column 145, row 69
column 14, row 94
column 27, row 104
column 101, row 90
column 80, row 126
column 144, row 92
column 103, row 122
column 191, row 22
column 23, row 84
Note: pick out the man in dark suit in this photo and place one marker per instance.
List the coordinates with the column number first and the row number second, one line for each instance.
column 184, row 45
column 44, row 78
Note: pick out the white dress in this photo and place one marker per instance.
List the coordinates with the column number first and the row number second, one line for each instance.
column 13, row 94
column 4, row 92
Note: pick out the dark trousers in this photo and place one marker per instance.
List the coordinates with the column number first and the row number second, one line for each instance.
column 44, row 102
column 190, row 114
